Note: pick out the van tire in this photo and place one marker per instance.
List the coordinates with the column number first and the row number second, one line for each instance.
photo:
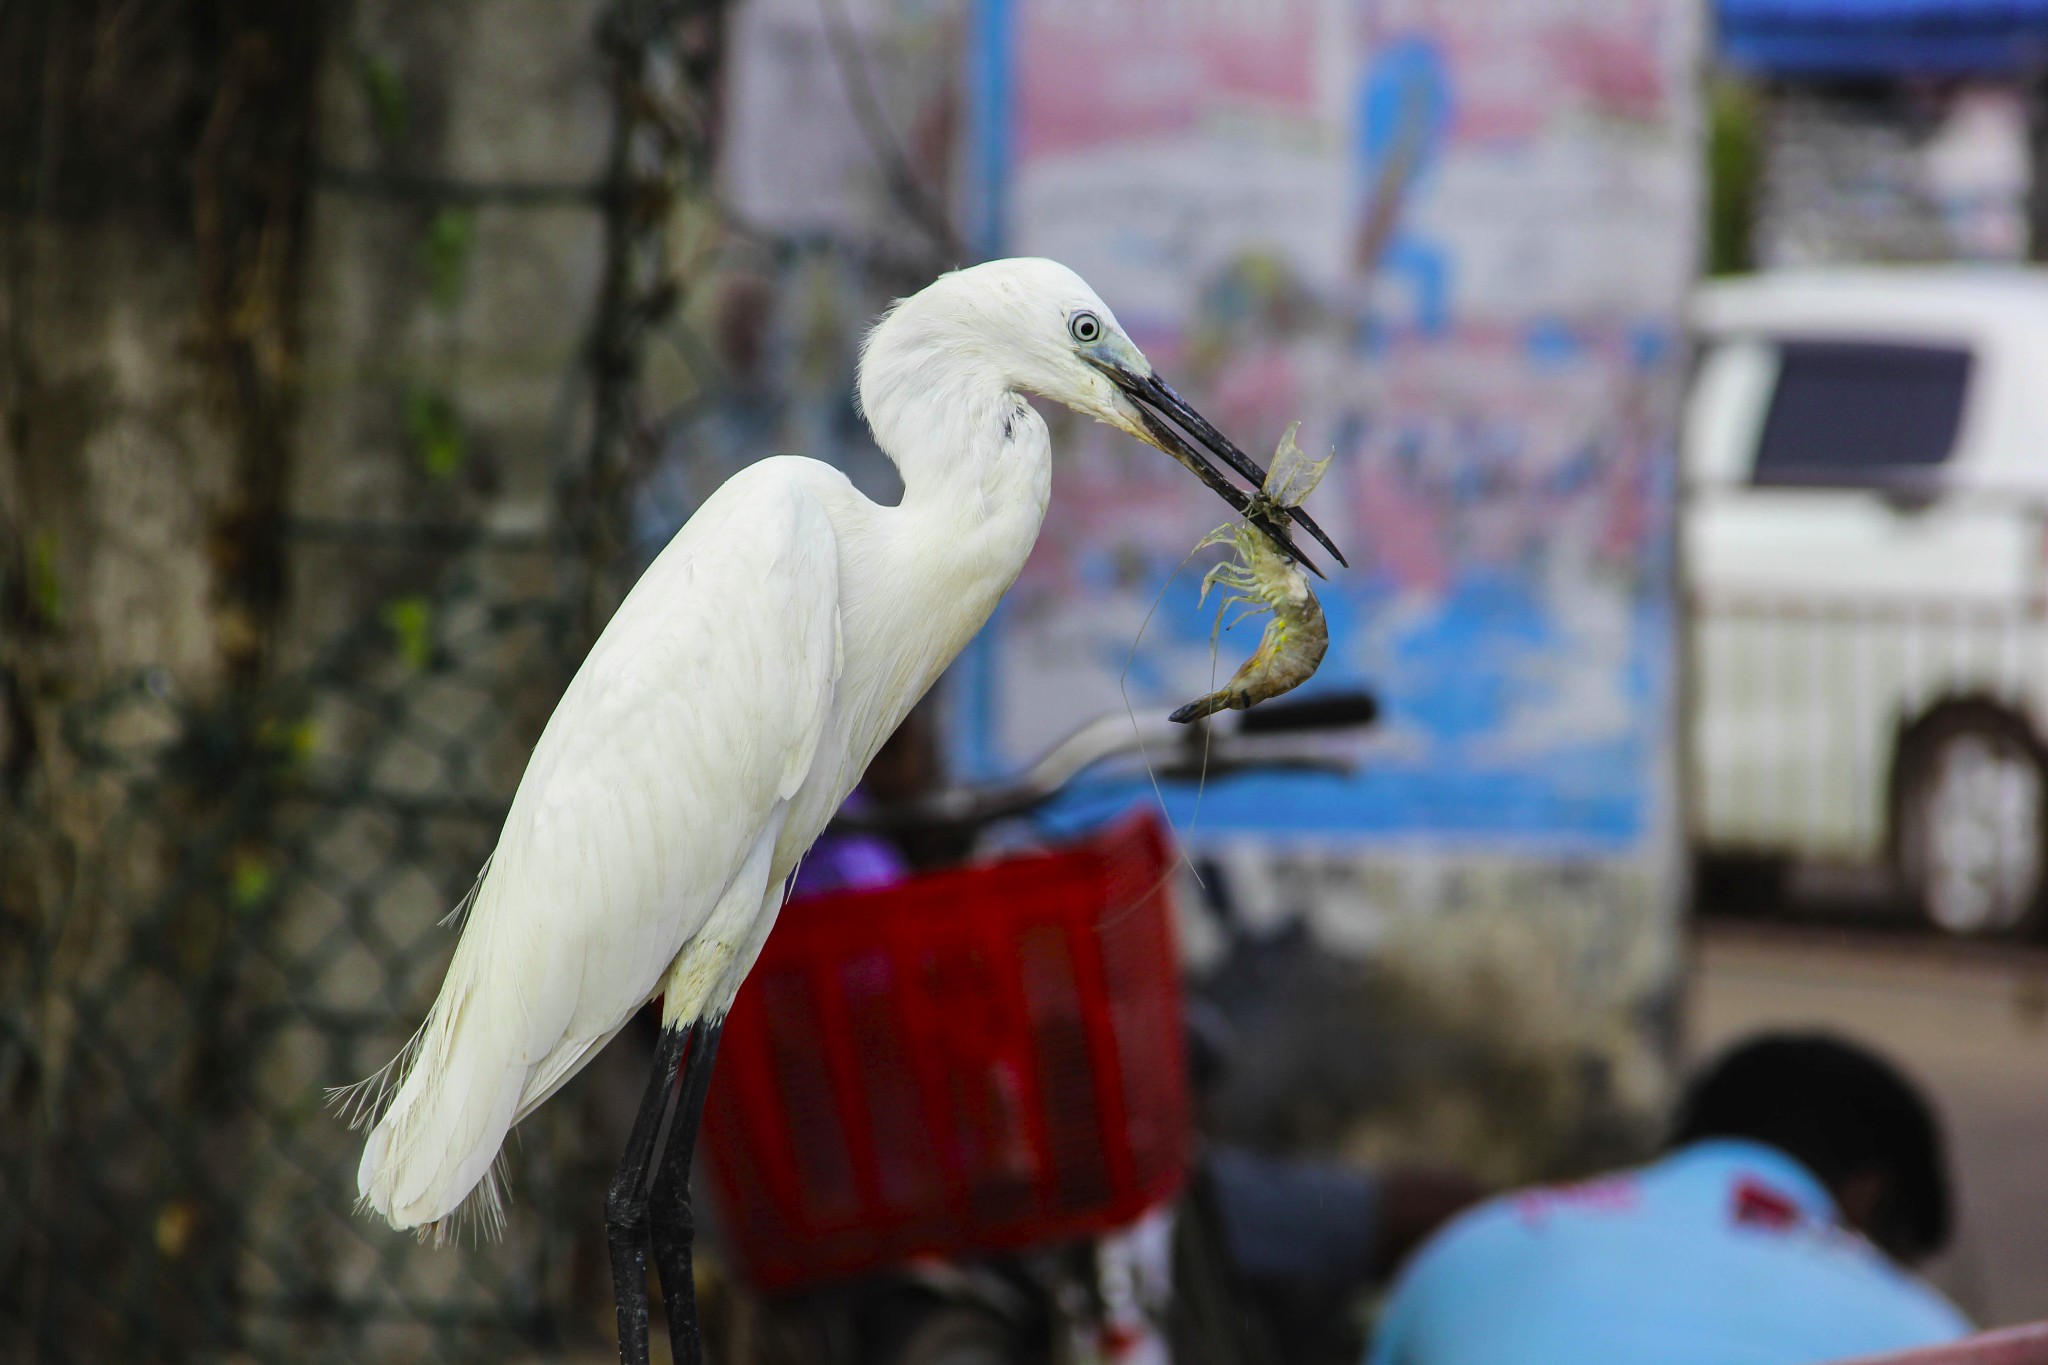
column 1970, row 821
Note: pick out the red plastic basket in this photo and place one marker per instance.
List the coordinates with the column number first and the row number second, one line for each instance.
column 974, row 1060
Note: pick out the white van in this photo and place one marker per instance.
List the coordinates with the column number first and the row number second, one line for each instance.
column 1863, row 551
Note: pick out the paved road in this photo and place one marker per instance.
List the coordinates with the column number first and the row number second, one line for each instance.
column 1971, row 1022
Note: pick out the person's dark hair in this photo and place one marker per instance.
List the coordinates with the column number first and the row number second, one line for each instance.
column 1842, row 1112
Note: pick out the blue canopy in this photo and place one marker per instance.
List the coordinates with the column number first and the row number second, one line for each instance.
column 1885, row 37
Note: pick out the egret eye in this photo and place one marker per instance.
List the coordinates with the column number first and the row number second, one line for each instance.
column 1086, row 327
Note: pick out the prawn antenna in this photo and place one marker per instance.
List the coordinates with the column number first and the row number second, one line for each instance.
column 1123, row 687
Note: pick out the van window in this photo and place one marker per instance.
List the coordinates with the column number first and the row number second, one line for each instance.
column 1860, row 413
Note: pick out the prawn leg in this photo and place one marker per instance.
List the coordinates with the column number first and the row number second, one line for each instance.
column 1260, row 577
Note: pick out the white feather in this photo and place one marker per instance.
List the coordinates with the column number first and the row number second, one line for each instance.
column 722, row 717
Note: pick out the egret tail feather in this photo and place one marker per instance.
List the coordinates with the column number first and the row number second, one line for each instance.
column 431, row 1162
column 365, row 1101
column 457, row 917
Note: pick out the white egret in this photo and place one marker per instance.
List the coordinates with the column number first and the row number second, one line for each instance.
column 728, row 708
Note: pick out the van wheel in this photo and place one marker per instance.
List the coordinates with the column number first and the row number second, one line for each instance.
column 1971, row 821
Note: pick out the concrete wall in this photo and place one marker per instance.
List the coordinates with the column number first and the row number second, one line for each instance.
column 1453, row 241
column 305, row 517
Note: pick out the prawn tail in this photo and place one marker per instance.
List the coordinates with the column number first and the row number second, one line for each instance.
column 1201, row 707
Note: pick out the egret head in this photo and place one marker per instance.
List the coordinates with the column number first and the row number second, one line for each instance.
column 1044, row 331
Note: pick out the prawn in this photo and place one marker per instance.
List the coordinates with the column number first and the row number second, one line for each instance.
column 1261, row 578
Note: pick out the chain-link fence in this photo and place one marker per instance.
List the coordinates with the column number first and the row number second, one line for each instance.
column 502, row 334
column 251, row 930
column 225, row 897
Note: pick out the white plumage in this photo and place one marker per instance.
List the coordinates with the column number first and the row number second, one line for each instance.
column 730, row 706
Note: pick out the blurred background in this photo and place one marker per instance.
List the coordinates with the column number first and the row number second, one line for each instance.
column 1680, row 364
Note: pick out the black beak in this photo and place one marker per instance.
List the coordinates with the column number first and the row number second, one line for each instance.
column 1152, row 396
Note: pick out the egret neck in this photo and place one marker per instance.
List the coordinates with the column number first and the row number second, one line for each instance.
column 976, row 462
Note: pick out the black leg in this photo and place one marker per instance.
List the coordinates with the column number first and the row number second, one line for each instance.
column 626, row 1203
column 671, row 1225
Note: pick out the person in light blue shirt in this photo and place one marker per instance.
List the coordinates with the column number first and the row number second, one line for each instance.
column 1805, row 1176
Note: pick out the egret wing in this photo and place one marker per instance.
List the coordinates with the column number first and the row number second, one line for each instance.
column 700, row 707
column 697, row 712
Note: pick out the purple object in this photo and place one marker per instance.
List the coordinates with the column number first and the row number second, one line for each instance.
column 848, row 862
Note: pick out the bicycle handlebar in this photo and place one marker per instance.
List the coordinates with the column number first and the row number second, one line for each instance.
column 1337, row 711
column 1226, row 744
